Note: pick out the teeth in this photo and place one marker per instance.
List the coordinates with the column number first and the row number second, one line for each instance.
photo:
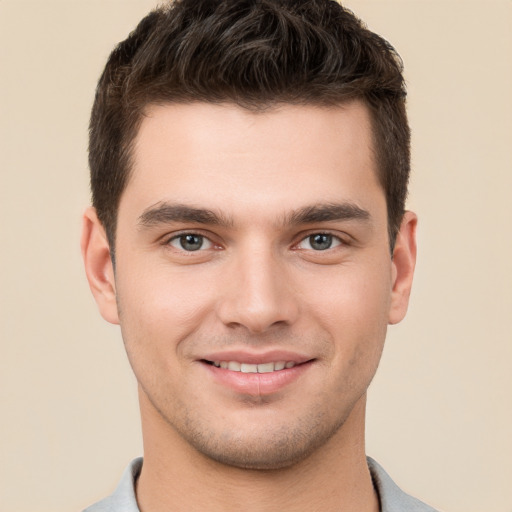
column 249, row 368
column 266, row 368
column 235, row 366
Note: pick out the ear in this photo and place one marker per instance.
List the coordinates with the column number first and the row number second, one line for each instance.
column 404, row 260
column 98, row 265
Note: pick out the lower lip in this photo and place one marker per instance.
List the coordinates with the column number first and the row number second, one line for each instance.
column 257, row 384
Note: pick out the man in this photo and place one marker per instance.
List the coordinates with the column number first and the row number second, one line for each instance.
column 249, row 167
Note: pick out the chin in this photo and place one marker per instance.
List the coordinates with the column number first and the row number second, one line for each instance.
column 267, row 449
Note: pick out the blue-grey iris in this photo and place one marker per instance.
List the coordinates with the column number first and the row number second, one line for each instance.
column 191, row 242
column 320, row 241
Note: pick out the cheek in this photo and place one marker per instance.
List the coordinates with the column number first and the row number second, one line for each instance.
column 157, row 312
column 353, row 310
column 163, row 298
column 354, row 297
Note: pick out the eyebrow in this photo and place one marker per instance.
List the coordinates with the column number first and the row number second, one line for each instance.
column 167, row 213
column 327, row 212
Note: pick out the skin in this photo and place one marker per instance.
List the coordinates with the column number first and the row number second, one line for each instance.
column 256, row 187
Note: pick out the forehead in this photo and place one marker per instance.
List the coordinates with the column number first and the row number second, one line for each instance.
column 229, row 157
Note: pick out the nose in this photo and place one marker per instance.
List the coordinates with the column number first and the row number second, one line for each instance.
column 259, row 293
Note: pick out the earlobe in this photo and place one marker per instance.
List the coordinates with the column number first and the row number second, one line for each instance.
column 404, row 261
column 98, row 265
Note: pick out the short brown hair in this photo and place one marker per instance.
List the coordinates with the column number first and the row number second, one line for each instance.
column 254, row 53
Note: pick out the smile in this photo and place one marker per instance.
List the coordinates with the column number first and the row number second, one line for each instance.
column 256, row 374
column 236, row 366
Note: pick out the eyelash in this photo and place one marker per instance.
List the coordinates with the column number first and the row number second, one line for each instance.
column 184, row 234
column 335, row 239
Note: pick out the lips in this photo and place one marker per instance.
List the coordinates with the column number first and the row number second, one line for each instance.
column 256, row 374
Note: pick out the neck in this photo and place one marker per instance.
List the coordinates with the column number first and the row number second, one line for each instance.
column 176, row 477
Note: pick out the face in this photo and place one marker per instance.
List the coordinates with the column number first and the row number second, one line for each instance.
column 253, row 279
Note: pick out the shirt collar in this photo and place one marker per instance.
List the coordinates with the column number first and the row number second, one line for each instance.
column 392, row 498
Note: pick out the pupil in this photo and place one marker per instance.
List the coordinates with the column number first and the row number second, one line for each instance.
column 191, row 242
column 320, row 242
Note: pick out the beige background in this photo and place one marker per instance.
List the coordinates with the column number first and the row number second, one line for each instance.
column 440, row 417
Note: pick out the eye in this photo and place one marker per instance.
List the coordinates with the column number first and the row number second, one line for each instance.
column 319, row 242
column 190, row 242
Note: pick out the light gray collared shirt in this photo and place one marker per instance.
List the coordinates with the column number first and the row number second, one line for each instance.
column 392, row 498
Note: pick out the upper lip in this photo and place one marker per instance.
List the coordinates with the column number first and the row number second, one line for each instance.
column 270, row 356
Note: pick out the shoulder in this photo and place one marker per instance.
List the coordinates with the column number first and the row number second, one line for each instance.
column 392, row 498
column 123, row 498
